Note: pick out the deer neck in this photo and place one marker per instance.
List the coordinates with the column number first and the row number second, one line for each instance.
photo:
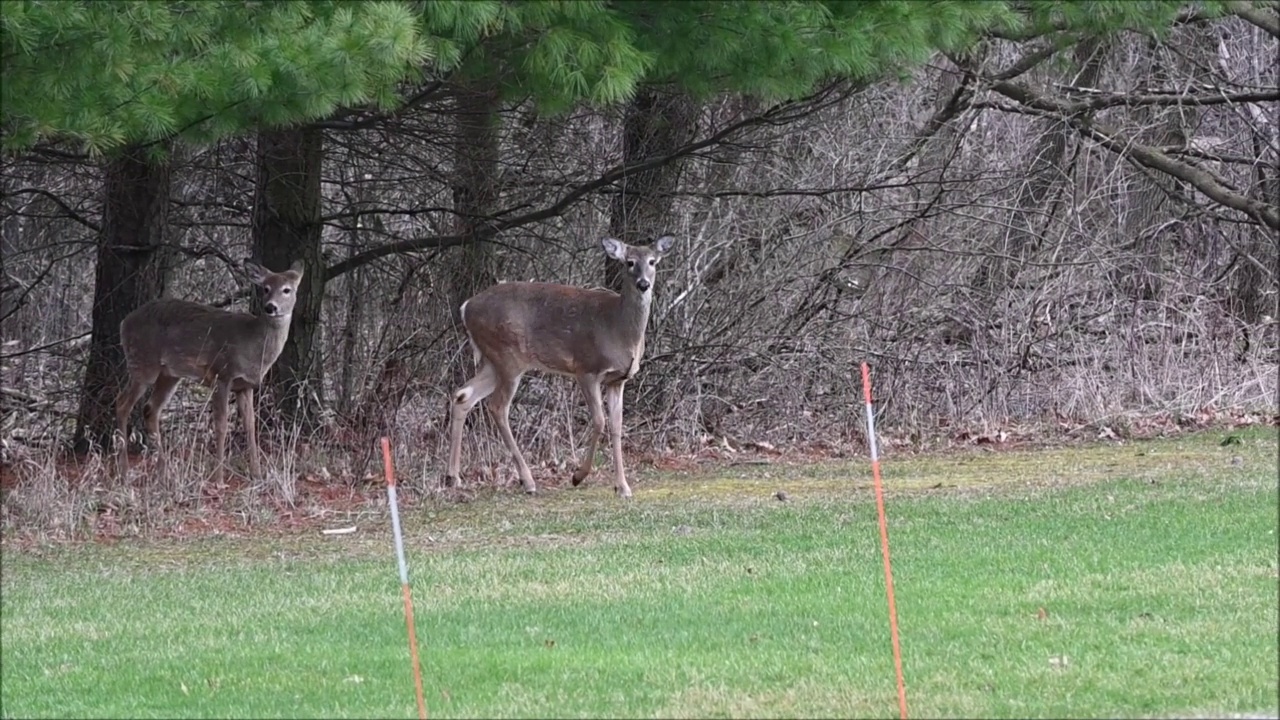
column 633, row 312
column 274, row 332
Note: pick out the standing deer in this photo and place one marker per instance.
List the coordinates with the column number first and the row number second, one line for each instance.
column 166, row 340
column 594, row 336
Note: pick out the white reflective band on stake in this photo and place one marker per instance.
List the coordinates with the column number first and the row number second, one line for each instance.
column 871, row 434
column 395, row 529
column 404, row 575
column 884, row 541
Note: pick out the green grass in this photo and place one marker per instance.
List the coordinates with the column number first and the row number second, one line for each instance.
column 1155, row 565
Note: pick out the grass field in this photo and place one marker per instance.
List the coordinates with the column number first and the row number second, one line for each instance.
column 1104, row 581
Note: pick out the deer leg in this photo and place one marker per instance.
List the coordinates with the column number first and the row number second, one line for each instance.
column 221, row 404
column 465, row 398
column 613, row 394
column 160, row 394
column 499, row 404
column 125, row 401
column 591, row 390
column 244, row 399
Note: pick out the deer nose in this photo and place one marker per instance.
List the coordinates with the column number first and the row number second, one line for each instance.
column 270, row 308
column 642, row 284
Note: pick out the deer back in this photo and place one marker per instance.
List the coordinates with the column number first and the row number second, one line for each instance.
column 562, row 329
column 190, row 340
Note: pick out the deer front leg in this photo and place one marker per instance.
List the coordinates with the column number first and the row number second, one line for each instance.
column 244, row 399
column 500, row 406
column 463, row 399
column 125, row 401
column 160, row 394
column 221, row 406
column 613, row 394
column 591, row 390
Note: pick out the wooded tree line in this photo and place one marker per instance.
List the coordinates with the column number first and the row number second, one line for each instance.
column 1017, row 211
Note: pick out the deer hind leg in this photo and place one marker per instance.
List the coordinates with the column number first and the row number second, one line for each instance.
column 125, row 401
column 464, row 398
column 160, row 395
column 499, row 404
column 613, row 394
column 244, row 399
column 221, row 406
column 591, row 390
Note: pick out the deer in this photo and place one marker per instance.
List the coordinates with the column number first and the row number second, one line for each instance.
column 167, row 340
column 595, row 336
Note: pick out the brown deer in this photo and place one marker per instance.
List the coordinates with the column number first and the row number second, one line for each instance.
column 167, row 340
column 594, row 336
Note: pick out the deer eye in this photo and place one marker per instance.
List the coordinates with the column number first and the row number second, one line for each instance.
column 631, row 263
column 286, row 290
column 653, row 261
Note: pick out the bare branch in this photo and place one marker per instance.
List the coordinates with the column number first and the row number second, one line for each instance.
column 1035, row 57
column 1147, row 156
column 780, row 114
column 1268, row 21
column 71, row 213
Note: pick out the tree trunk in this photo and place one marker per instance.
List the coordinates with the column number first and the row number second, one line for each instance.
column 475, row 191
column 130, row 271
column 1047, row 171
column 1256, row 261
column 658, row 122
column 348, row 393
column 286, row 227
column 1150, row 215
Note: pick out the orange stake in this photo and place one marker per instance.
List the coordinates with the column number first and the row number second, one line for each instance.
column 404, row 575
column 884, row 540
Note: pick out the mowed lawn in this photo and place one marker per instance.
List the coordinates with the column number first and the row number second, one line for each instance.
column 1119, row 580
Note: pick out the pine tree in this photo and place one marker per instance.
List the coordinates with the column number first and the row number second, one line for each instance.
column 122, row 79
column 106, row 75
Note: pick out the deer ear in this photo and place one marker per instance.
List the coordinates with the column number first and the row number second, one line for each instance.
column 298, row 267
column 615, row 249
column 255, row 272
column 663, row 244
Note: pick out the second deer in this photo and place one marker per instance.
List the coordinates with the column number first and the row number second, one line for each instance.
column 167, row 340
column 594, row 336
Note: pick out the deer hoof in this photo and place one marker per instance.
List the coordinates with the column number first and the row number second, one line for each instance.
column 450, row 481
column 578, row 477
column 624, row 492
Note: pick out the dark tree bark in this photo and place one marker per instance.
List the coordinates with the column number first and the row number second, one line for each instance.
column 286, row 227
column 1046, row 176
column 658, row 122
column 8, row 289
column 475, row 193
column 348, row 393
column 1150, row 217
column 130, row 271
column 475, row 190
